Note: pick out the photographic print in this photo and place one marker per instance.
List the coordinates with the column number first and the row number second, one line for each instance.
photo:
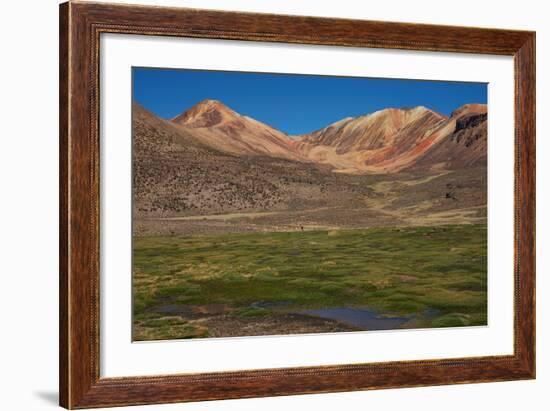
column 274, row 204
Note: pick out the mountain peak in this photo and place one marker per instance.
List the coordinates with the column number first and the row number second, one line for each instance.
column 405, row 112
column 211, row 103
column 206, row 113
column 416, row 109
column 467, row 109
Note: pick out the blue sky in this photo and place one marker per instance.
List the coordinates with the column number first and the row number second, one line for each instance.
column 294, row 103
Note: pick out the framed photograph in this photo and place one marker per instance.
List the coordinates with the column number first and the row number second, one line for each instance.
column 259, row 205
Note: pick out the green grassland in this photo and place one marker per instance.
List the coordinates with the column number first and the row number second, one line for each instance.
column 396, row 271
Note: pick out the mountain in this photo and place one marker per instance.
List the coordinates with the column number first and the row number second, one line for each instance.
column 372, row 131
column 176, row 173
column 219, row 127
column 182, row 170
column 392, row 140
column 466, row 146
column 384, row 141
column 151, row 134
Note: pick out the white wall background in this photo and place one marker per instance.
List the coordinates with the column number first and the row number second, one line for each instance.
column 28, row 205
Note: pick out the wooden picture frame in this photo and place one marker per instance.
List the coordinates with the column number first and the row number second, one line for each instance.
column 80, row 27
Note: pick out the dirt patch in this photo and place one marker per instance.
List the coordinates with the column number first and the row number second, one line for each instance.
column 190, row 312
column 281, row 324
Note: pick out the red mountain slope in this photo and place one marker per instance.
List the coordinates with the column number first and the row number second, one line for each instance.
column 221, row 128
column 466, row 146
column 385, row 141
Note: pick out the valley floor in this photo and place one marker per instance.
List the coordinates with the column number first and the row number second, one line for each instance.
column 408, row 199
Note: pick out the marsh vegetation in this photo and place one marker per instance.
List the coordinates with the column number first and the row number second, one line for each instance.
column 229, row 284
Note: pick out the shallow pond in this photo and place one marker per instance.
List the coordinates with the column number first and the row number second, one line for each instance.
column 363, row 318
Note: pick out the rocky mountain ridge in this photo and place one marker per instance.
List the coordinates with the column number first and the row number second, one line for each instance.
column 386, row 141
